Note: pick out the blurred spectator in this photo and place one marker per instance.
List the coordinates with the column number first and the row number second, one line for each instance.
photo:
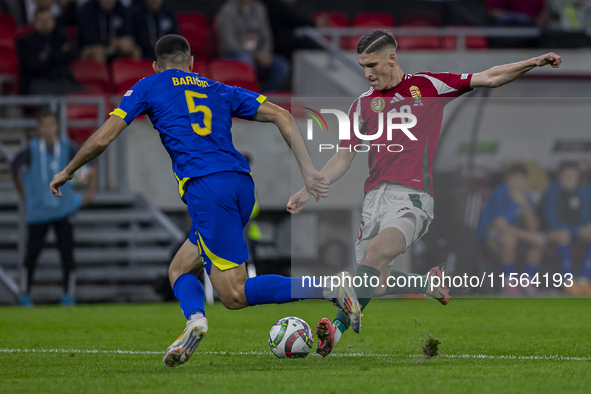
column 64, row 11
column 244, row 34
column 44, row 157
column 106, row 31
column 566, row 217
column 508, row 220
column 151, row 20
column 284, row 18
column 569, row 15
column 516, row 12
column 45, row 55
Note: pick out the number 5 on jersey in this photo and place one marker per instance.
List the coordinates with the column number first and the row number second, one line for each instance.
column 193, row 109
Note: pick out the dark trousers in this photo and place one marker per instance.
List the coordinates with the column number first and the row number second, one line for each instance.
column 65, row 244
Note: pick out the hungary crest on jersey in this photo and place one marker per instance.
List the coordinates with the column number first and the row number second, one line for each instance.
column 415, row 92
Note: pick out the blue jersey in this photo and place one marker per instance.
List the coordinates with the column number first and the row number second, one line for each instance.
column 194, row 118
column 501, row 205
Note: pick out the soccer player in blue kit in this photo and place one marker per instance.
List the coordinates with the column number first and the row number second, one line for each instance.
column 194, row 116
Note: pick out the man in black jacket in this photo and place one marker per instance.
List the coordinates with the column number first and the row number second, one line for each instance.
column 151, row 20
column 105, row 31
column 285, row 18
column 45, row 55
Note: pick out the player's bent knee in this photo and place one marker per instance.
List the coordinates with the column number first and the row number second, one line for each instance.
column 375, row 258
column 233, row 299
column 177, row 269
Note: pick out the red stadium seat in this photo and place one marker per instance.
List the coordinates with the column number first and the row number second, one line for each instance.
column 9, row 68
column 418, row 42
column 81, row 112
column 333, row 19
column 8, row 61
column 213, row 38
column 200, row 67
column 234, row 72
column 477, row 42
column 7, row 20
column 127, row 72
column 7, row 30
column 374, row 19
column 92, row 75
column 371, row 20
column 193, row 26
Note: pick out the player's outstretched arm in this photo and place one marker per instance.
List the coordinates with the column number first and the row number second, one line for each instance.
column 316, row 183
column 502, row 75
column 92, row 148
column 335, row 168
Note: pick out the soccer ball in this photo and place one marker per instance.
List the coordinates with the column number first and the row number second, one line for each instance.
column 291, row 337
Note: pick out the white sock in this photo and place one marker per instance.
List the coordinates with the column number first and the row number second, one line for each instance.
column 329, row 294
column 337, row 335
column 195, row 316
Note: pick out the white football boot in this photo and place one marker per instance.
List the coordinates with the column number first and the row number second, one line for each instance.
column 346, row 299
column 181, row 350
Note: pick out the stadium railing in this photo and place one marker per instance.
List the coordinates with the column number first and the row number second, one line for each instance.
column 59, row 104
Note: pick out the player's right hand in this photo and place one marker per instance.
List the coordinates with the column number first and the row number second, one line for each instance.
column 550, row 58
column 297, row 201
column 317, row 184
column 58, row 181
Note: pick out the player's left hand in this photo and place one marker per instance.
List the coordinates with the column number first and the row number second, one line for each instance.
column 58, row 181
column 297, row 201
column 317, row 184
column 550, row 58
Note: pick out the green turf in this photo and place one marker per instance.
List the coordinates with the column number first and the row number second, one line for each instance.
column 393, row 331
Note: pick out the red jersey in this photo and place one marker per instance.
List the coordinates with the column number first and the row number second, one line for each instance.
column 402, row 159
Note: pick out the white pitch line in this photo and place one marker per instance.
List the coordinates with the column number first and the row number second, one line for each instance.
column 258, row 353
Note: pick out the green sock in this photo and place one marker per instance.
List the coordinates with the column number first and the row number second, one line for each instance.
column 364, row 294
column 413, row 283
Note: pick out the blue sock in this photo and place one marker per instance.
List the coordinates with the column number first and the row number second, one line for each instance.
column 566, row 258
column 531, row 270
column 189, row 291
column 586, row 265
column 508, row 269
column 277, row 289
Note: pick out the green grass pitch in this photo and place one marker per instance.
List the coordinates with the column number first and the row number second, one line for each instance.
column 487, row 346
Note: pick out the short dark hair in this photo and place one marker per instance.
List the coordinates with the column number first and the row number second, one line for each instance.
column 565, row 165
column 516, row 169
column 172, row 49
column 375, row 41
column 45, row 112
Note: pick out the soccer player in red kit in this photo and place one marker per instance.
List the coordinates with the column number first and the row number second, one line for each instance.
column 398, row 203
